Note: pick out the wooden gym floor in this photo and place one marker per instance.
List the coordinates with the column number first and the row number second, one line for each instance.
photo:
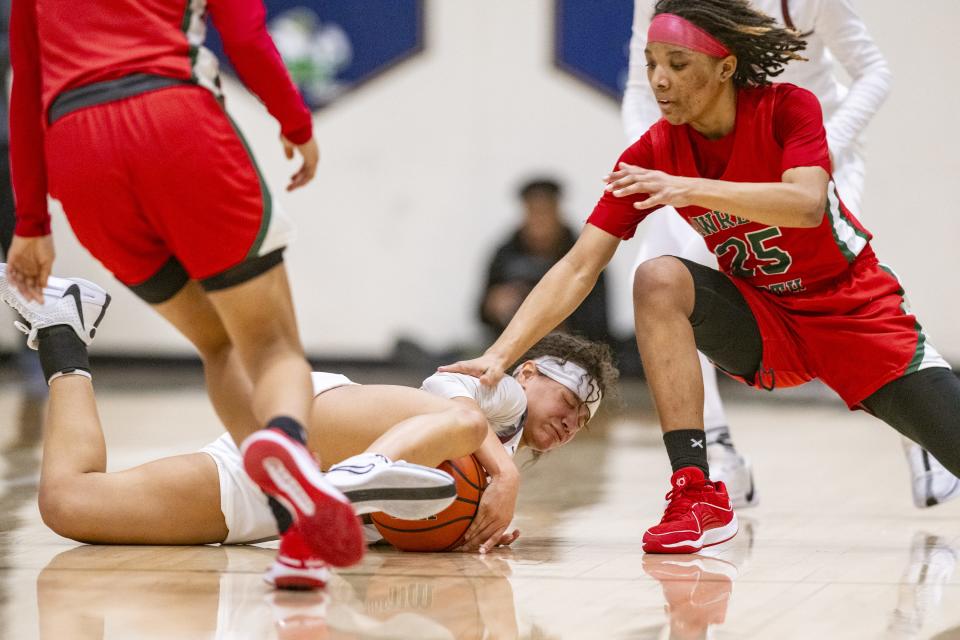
column 835, row 549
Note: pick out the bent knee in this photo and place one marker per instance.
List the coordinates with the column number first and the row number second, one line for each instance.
column 662, row 281
column 472, row 423
column 61, row 509
column 215, row 349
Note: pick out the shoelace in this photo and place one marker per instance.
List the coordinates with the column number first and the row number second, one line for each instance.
column 680, row 500
column 29, row 332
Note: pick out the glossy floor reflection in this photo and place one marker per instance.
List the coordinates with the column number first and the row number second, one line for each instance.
column 835, row 549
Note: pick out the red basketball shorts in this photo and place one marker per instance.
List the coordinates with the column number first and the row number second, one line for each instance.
column 855, row 336
column 162, row 178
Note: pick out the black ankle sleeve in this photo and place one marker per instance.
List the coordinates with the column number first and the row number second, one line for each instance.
column 687, row 448
column 61, row 350
column 290, row 427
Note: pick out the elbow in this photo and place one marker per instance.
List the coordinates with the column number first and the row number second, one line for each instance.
column 812, row 211
column 584, row 275
column 812, row 218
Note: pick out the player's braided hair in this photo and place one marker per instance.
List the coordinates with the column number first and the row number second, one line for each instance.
column 762, row 48
column 595, row 357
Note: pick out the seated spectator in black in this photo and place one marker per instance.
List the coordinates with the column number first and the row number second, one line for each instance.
column 527, row 255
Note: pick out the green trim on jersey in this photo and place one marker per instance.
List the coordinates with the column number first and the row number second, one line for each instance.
column 850, row 240
column 204, row 67
column 265, row 196
column 193, row 49
column 918, row 354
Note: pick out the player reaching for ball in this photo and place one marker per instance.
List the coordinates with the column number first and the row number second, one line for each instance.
column 800, row 293
column 205, row 497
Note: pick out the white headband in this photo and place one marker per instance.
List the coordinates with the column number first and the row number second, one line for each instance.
column 573, row 377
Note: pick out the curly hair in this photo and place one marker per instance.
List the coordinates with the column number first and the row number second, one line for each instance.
column 596, row 358
column 762, row 48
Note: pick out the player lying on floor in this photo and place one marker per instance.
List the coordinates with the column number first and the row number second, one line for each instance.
column 205, row 497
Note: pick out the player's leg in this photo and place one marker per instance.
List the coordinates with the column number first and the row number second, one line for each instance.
column 370, row 431
column 173, row 500
column 667, row 233
column 170, row 501
column 219, row 220
column 398, row 422
column 925, row 407
column 176, row 180
column 259, row 319
column 664, row 298
column 931, row 483
column 681, row 306
column 229, row 387
column 186, row 305
column 387, row 440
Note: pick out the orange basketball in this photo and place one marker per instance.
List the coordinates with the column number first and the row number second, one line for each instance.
column 443, row 531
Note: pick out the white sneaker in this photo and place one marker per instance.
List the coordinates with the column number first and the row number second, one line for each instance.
column 932, row 563
column 75, row 302
column 735, row 471
column 932, row 483
column 373, row 483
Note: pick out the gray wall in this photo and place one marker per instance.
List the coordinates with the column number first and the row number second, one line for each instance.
column 419, row 169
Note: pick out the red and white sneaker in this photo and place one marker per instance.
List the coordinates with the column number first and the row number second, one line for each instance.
column 697, row 590
column 284, row 469
column 300, row 615
column 296, row 566
column 699, row 514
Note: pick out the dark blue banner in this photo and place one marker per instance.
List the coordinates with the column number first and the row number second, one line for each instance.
column 334, row 46
column 591, row 42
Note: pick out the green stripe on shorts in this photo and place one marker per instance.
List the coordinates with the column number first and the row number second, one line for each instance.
column 265, row 196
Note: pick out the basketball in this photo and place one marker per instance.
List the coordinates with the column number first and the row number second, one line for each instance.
column 443, row 531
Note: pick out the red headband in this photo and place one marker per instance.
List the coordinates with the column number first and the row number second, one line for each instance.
column 672, row 29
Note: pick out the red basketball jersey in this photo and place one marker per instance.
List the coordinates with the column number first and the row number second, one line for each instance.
column 780, row 259
column 60, row 45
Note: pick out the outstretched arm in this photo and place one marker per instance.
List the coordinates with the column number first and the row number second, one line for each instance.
column 554, row 298
column 797, row 201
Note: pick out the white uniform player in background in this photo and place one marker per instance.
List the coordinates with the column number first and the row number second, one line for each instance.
column 837, row 42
